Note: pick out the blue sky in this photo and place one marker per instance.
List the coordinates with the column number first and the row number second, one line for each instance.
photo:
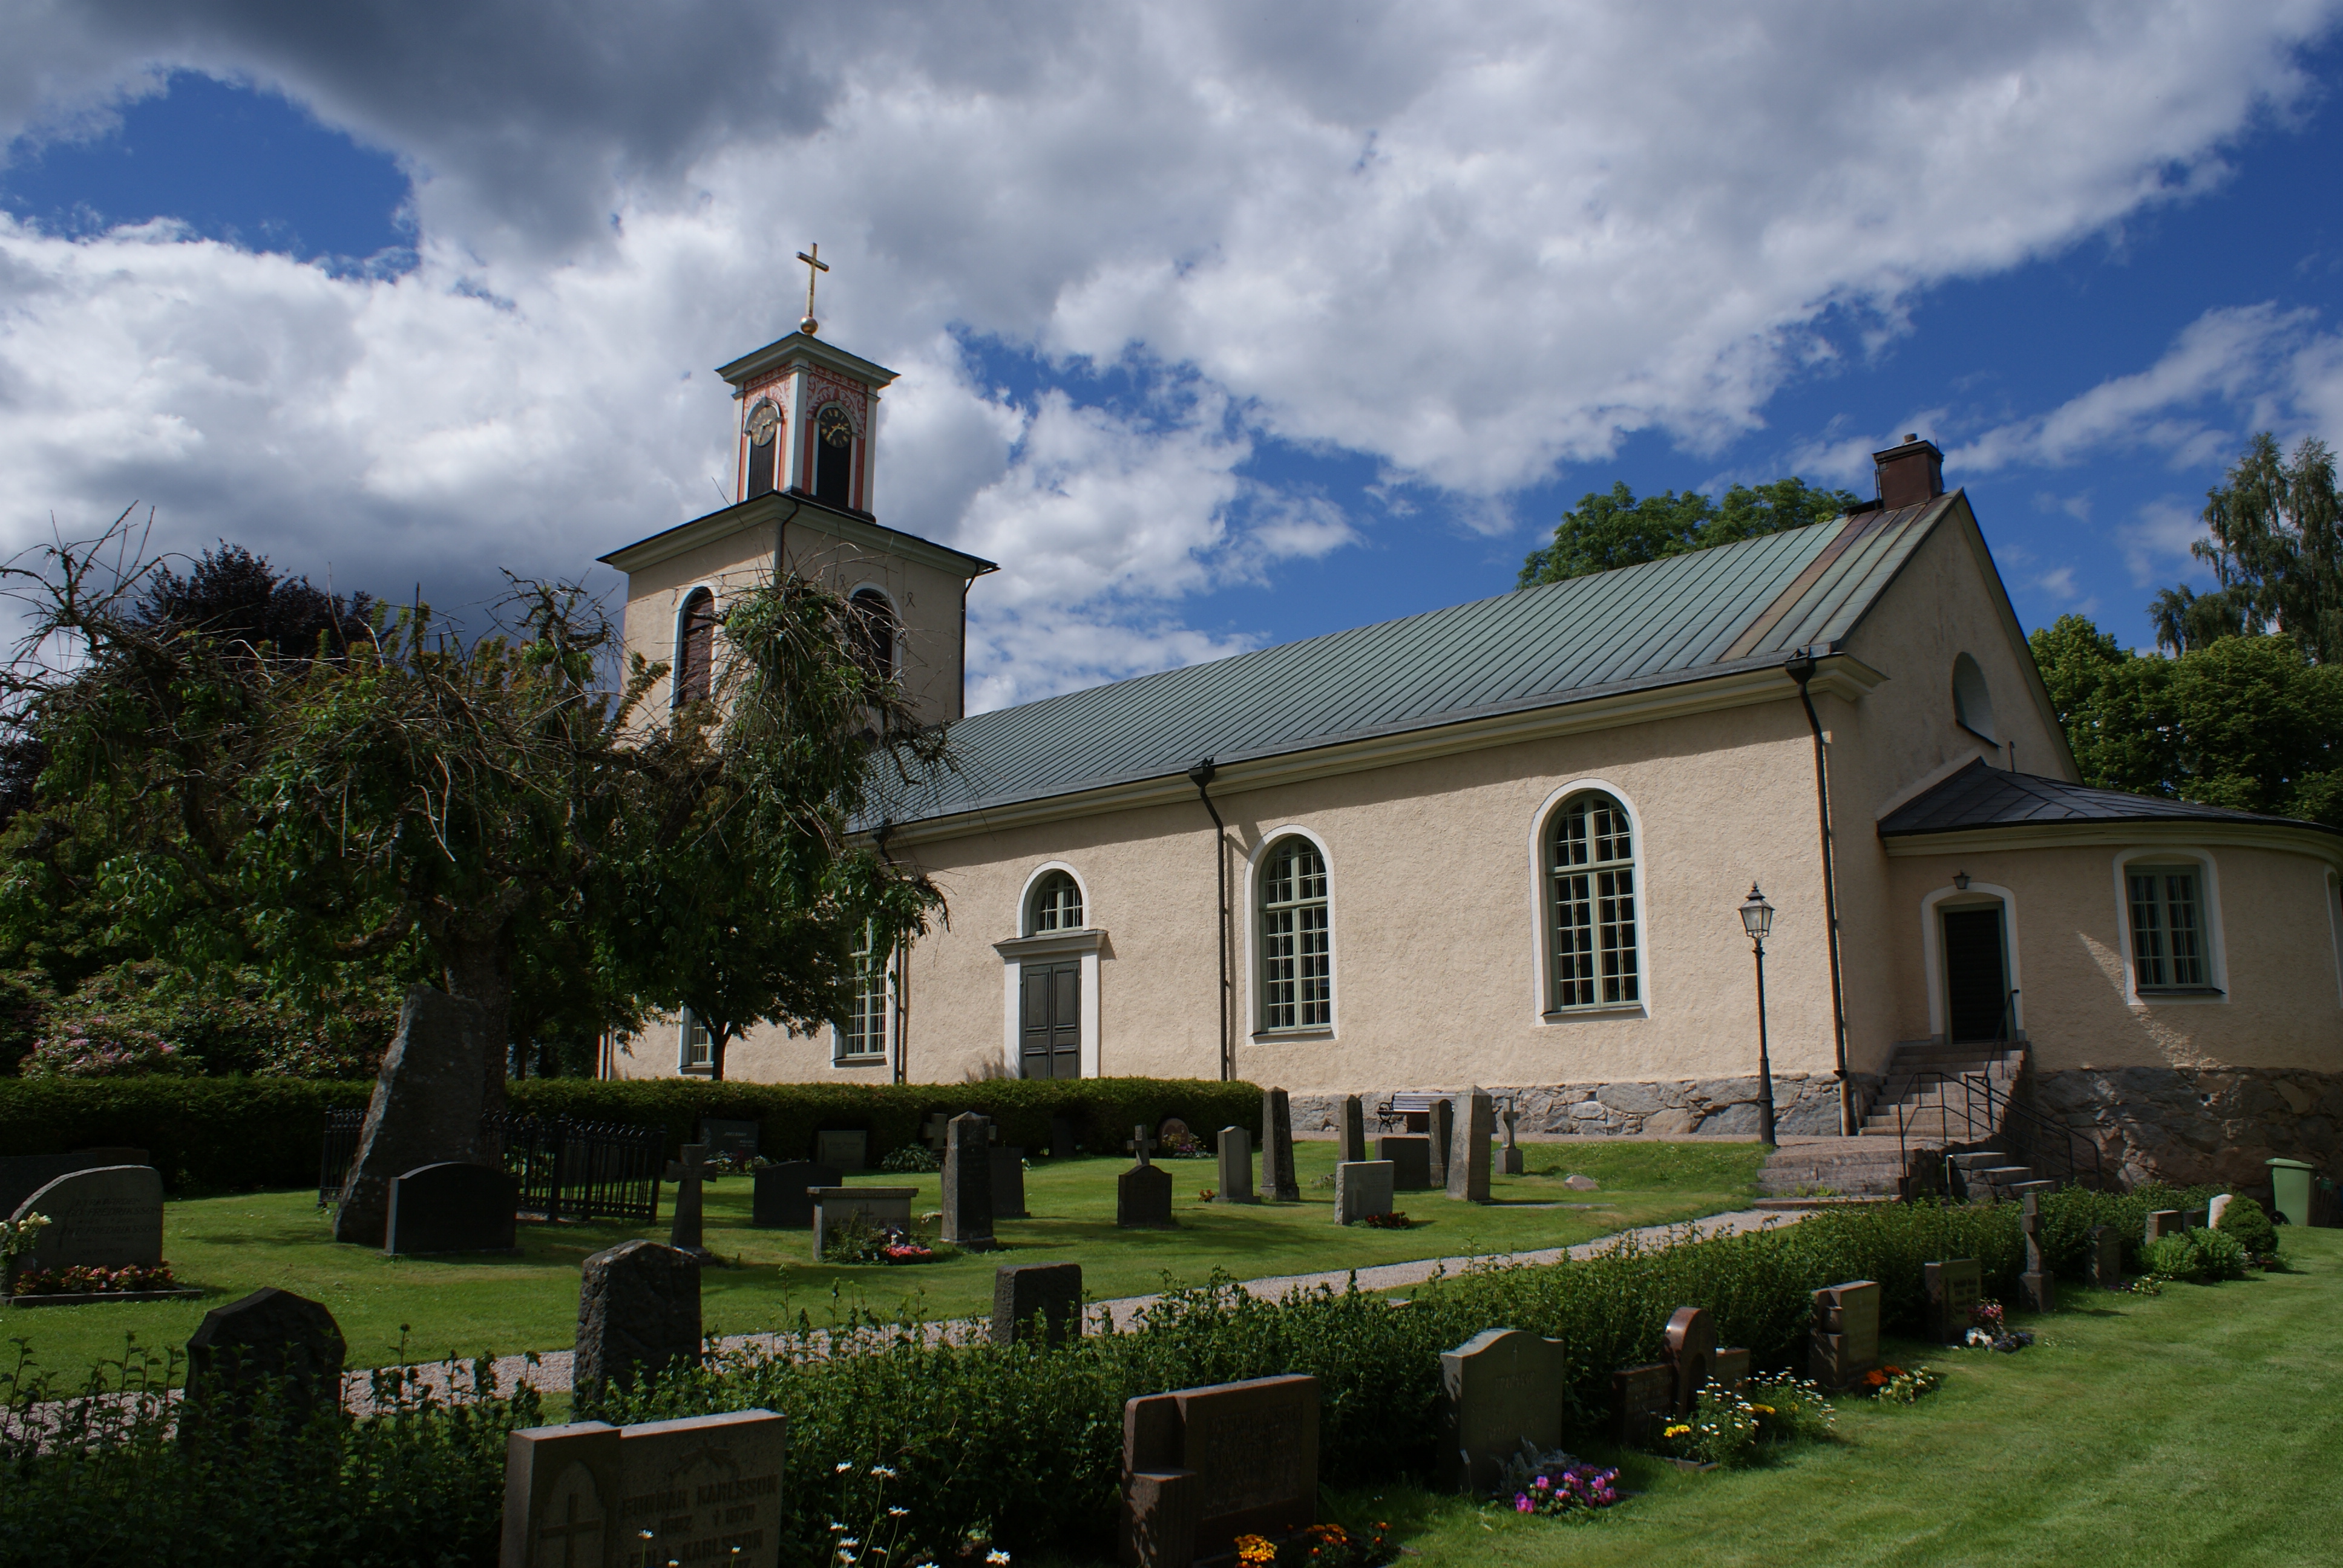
column 388, row 336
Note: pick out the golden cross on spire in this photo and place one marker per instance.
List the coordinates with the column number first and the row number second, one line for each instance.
column 814, row 264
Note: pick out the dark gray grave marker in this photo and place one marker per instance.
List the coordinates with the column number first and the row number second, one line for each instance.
column 1362, row 1189
column 1354, row 1132
column 638, row 1314
column 451, row 1207
column 737, row 1139
column 781, row 1202
column 1230, row 1460
column 105, row 1218
column 1689, row 1345
column 1278, row 1182
column 1468, row 1153
column 1236, row 1167
column 1008, row 1183
column 2163, row 1223
column 705, row 1490
column 1642, row 1400
column 1845, row 1334
column 426, row 1108
column 968, row 1184
column 1508, row 1158
column 1142, row 1194
column 270, row 1337
column 1954, row 1286
column 1410, row 1155
column 848, row 1151
column 1499, row 1388
column 685, row 1227
column 1443, row 1142
column 1061, row 1138
column 2106, row 1257
column 2038, row 1284
column 1053, row 1290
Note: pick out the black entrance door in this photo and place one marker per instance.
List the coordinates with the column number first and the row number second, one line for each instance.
column 1053, row 1020
column 1975, row 989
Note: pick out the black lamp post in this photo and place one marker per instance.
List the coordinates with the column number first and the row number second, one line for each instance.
column 1757, row 918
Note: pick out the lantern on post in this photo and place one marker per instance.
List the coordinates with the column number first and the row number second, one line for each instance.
column 1757, row 919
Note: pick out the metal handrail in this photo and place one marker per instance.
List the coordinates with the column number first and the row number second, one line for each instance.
column 2000, row 1111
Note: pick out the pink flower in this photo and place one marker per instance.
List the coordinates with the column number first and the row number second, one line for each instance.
column 1521, row 1503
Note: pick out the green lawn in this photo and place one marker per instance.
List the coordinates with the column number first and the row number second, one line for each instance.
column 2201, row 1426
column 468, row 1306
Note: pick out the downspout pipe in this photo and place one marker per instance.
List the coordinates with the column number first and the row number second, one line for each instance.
column 1800, row 666
column 1202, row 776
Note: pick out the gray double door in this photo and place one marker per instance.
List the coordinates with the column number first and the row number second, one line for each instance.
column 1051, row 1038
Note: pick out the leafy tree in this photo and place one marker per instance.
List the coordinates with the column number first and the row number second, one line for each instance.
column 1616, row 529
column 236, row 596
column 2277, row 550
column 2185, row 618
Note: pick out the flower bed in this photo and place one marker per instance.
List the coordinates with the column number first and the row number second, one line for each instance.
column 1318, row 1546
column 133, row 1279
column 859, row 1241
column 1393, row 1220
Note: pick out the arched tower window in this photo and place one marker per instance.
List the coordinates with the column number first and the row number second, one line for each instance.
column 873, row 630
column 1056, row 905
column 694, row 649
column 1297, row 950
column 1591, row 864
column 763, row 431
column 833, row 457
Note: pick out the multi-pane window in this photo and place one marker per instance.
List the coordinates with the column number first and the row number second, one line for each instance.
column 695, row 652
column 2167, row 928
column 865, row 1033
column 1057, row 905
column 872, row 630
column 1296, row 942
column 1590, row 861
column 698, row 1049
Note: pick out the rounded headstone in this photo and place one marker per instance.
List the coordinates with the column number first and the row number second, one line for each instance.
column 105, row 1218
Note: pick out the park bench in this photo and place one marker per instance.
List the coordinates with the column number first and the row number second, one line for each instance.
column 1407, row 1113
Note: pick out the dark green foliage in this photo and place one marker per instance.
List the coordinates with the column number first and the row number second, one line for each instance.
column 2276, row 547
column 2249, row 1222
column 1618, row 530
column 2069, row 1214
column 204, row 1134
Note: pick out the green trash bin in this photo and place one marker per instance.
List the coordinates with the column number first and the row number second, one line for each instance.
column 2291, row 1179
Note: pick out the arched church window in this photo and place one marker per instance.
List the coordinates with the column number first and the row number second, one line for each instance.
column 1056, row 905
column 873, row 630
column 833, row 457
column 1591, row 864
column 764, row 446
column 694, row 649
column 1971, row 699
column 1296, row 938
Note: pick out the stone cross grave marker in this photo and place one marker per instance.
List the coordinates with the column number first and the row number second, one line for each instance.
column 1202, row 1466
column 1362, row 1189
column 935, row 1132
column 638, row 1314
column 1689, row 1347
column 1236, row 1167
column 452, row 1207
column 2165, row 1222
column 1278, row 1182
column 685, row 1229
column 1008, row 1170
column 1509, row 1159
column 1443, row 1140
column 2039, row 1283
column 1410, row 1157
column 1354, row 1131
column 1499, row 1389
column 703, row 1491
column 1845, row 1333
column 1954, row 1286
column 968, row 1184
column 880, row 1208
column 1021, row 1290
column 1142, row 1194
column 849, row 1151
column 781, row 1202
column 104, row 1218
column 1468, row 1155
column 270, row 1336
column 426, row 1104
column 1642, row 1400
column 2106, row 1257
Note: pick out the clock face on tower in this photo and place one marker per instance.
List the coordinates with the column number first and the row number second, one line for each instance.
column 835, row 427
column 763, row 420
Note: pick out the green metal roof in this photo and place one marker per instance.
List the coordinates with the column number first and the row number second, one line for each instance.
column 1687, row 618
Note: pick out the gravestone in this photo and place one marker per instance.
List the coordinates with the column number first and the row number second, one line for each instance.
column 685, row 1227
column 427, row 1105
column 1441, row 1140
column 1731, row 1367
column 2106, row 1257
column 1278, row 1182
column 1172, row 1131
column 934, row 1133
column 638, row 1314
column 2165, row 1222
column 2039, row 1285
column 1954, row 1286
column 1053, row 1290
column 269, row 1336
column 737, row 1139
column 104, row 1218
column 451, row 1207
column 1845, row 1343
column 22, row 1175
column 880, row 1208
column 1509, row 1159
column 781, row 1202
column 1468, row 1152
column 1061, row 1138
column 1361, row 1187
column 1142, row 1194
column 2216, row 1209
column 1688, row 1347
column 1236, row 1167
column 1499, row 1388
column 1202, row 1466
column 706, row 1490
column 1354, row 1132
column 1410, row 1157
column 968, row 1184
column 849, row 1151
column 1009, row 1184
column 1642, row 1400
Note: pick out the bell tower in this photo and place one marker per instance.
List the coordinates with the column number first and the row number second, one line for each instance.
column 808, row 415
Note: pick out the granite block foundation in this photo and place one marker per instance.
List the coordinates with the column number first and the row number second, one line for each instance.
column 1803, row 1105
column 2190, row 1125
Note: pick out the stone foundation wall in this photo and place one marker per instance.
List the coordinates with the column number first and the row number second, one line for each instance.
column 2187, row 1125
column 1802, row 1105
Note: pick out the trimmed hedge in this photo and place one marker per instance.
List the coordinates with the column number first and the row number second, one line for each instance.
column 214, row 1134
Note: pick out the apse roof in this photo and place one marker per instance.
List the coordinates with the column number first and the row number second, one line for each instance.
column 1687, row 618
column 1981, row 797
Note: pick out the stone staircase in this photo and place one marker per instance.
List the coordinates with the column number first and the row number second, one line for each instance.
column 1923, row 1092
column 1989, row 1177
column 1931, row 1108
column 1823, row 1173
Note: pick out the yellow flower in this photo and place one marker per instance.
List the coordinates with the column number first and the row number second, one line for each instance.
column 1676, row 1431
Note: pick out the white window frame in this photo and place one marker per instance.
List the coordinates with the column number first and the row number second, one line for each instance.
column 1256, row 983
column 839, row 1054
column 1541, row 911
column 686, row 1022
column 1978, row 895
column 2208, row 897
column 1085, row 943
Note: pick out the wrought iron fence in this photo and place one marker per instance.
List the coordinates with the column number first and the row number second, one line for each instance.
column 566, row 1170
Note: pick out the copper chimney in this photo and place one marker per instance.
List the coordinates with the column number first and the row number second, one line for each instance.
column 1909, row 475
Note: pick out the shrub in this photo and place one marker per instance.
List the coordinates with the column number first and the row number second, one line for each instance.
column 2069, row 1214
column 2223, row 1254
column 2176, row 1256
column 2249, row 1222
column 97, row 1046
column 912, row 1158
column 206, row 1134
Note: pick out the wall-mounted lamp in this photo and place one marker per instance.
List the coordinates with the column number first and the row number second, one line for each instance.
column 1961, row 881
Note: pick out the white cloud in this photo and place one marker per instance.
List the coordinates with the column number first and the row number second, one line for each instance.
column 2155, row 542
column 1470, row 242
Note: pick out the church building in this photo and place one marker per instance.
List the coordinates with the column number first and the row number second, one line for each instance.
column 1509, row 844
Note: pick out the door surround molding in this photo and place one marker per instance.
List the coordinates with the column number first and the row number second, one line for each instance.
column 1978, row 895
column 1085, row 945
